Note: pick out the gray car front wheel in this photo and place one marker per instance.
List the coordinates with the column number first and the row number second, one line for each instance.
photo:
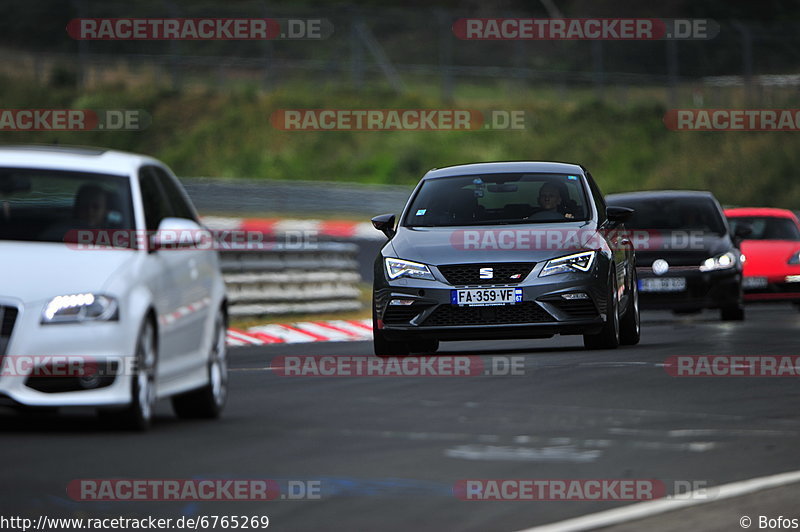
column 630, row 325
column 608, row 337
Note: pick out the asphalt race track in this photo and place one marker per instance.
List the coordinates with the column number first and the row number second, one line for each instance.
column 387, row 451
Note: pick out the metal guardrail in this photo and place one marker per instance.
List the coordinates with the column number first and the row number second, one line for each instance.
column 313, row 279
column 240, row 197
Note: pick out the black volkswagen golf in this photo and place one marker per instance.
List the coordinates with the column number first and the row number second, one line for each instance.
column 504, row 250
column 687, row 257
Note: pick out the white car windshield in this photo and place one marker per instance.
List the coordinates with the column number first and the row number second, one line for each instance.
column 51, row 205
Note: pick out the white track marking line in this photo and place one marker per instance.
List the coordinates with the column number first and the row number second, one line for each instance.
column 645, row 509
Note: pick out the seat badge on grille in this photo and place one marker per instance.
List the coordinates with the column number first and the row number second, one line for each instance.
column 486, row 273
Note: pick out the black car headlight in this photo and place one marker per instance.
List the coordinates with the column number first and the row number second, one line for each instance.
column 794, row 259
column 76, row 308
column 577, row 262
column 396, row 268
column 720, row 262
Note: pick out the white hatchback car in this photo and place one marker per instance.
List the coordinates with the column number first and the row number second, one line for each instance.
column 117, row 320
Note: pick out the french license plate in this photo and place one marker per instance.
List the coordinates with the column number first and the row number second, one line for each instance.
column 754, row 282
column 662, row 284
column 484, row 297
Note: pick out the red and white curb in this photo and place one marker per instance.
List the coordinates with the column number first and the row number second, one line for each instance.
column 301, row 332
column 277, row 226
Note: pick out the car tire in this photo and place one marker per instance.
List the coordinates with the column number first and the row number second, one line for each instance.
column 139, row 415
column 385, row 348
column 630, row 327
column 732, row 313
column 608, row 337
column 208, row 402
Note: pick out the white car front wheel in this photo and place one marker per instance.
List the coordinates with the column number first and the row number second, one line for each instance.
column 139, row 415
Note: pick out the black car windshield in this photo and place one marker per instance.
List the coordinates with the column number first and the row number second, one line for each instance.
column 495, row 199
column 674, row 214
column 50, row 205
column 767, row 227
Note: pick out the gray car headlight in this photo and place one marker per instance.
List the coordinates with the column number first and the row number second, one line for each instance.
column 577, row 262
column 77, row 308
column 396, row 268
column 720, row 262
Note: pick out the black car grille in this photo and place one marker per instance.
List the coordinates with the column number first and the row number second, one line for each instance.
column 452, row 315
column 9, row 317
column 675, row 258
column 50, row 384
column 502, row 273
column 402, row 314
column 672, row 269
column 576, row 308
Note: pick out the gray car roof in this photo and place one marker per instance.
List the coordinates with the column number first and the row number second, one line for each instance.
column 505, row 168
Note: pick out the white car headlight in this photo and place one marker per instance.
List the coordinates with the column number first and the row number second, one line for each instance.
column 404, row 268
column 578, row 262
column 76, row 308
column 720, row 262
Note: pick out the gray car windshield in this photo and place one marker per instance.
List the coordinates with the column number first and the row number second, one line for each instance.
column 51, row 205
column 497, row 199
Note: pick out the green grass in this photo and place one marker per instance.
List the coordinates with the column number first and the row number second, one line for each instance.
column 227, row 133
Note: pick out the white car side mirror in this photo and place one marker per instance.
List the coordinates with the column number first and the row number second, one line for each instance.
column 180, row 233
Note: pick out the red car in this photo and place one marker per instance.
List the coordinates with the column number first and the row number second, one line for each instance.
column 772, row 251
